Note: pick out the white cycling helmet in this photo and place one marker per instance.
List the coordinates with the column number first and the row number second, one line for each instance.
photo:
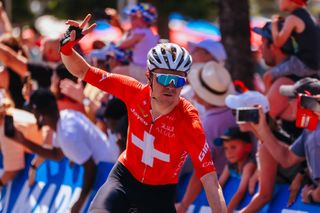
column 169, row 56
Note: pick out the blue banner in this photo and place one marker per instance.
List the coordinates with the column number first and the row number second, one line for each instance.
column 58, row 186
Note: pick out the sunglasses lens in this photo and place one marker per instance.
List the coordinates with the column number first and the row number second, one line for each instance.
column 165, row 80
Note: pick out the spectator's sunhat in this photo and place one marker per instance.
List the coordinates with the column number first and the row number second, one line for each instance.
column 147, row 11
column 290, row 47
column 233, row 134
column 310, row 86
column 211, row 82
column 248, row 99
column 215, row 48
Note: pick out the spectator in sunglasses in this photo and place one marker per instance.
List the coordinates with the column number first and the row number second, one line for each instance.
column 163, row 129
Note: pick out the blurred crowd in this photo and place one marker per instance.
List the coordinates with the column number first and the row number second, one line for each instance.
column 263, row 137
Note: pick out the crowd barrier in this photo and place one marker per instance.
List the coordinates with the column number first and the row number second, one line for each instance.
column 58, row 185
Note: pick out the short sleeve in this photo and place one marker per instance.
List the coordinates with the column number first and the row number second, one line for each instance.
column 298, row 146
column 197, row 146
column 74, row 146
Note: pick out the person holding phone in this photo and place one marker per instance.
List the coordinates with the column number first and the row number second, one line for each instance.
column 163, row 129
column 253, row 99
column 12, row 119
column 211, row 83
column 306, row 147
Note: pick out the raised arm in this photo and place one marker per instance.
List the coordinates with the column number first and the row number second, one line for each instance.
column 4, row 19
column 280, row 37
column 278, row 150
column 15, row 61
column 72, row 60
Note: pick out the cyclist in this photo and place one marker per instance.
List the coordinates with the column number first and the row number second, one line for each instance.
column 163, row 129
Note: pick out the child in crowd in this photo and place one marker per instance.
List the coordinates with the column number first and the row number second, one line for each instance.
column 140, row 39
column 302, row 28
column 237, row 147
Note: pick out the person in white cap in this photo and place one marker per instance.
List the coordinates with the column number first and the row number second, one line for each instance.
column 307, row 146
column 207, row 50
column 211, row 83
column 268, row 170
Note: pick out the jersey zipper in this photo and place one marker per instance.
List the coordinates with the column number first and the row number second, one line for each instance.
column 145, row 167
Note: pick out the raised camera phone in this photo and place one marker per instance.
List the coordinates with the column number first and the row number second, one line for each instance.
column 9, row 126
column 309, row 102
column 247, row 114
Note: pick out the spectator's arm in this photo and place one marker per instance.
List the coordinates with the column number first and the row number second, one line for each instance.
column 8, row 176
column 88, row 181
column 114, row 18
column 316, row 194
column 193, row 190
column 53, row 154
column 4, row 19
column 278, row 150
column 214, row 192
column 15, row 61
column 131, row 41
column 280, row 37
column 224, row 176
column 238, row 196
column 278, row 102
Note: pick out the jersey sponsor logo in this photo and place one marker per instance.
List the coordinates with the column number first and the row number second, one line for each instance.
column 149, row 153
column 140, row 118
column 204, row 151
column 206, row 164
column 104, row 76
column 166, row 130
column 182, row 160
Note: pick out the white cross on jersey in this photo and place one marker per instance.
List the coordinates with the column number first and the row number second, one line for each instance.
column 149, row 152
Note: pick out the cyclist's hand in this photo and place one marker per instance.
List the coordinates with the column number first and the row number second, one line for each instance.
column 74, row 33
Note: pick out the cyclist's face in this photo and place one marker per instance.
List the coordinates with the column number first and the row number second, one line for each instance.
column 165, row 94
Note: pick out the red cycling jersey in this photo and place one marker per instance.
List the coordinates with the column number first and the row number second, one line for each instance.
column 156, row 150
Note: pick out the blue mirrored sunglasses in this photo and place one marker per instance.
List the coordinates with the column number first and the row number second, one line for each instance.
column 166, row 79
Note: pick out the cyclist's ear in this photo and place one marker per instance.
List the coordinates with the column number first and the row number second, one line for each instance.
column 149, row 76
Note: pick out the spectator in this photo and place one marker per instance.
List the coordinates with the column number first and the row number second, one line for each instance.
column 40, row 72
column 207, row 50
column 140, row 39
column 5, row 24
column 211, row 83
column 237, row 146
column 14, row 154
column 109, row 116
column 307, row 145
column 60, row 81
column 203, row 52
column 13, row 82
column 267, row 167
column 75, row 137
column 300, row 26
column 31, row 38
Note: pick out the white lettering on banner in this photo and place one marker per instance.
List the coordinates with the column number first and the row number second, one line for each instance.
column 292, row 211
column 29, row 202
column 64, row 200
column 204, row 151
column 148, row 150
